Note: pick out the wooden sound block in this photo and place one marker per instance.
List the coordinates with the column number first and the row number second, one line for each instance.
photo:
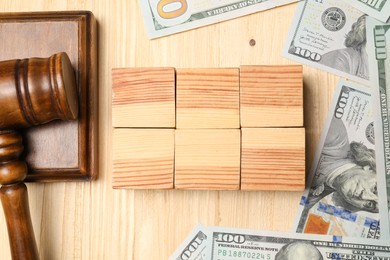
column 143, row 97
column 207, row 98
column 271, row 96
column 143, row 158
column 207, row 159
column 59, row 151
column 273, row 159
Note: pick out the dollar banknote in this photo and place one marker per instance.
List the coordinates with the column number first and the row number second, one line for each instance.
column 378, row 46
column 329, row 35
column 342, row 197
column 379, row 9
column 164, row 17
column 193, row 247
column 236, row 244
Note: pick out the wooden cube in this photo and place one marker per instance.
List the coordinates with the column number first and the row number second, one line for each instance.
column 271, row 96
column 207, row 159
column 273, row 159
column 143, row 158
column 207, row 98
column 143, row 97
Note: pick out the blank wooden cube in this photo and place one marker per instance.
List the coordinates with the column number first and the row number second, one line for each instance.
column 273, row 159
column 207, row 98
column 207, row 159
column 143, row 97
column 143, row 158
column 271, row 96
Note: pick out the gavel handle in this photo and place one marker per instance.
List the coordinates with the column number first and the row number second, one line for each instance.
column 13, row 195
column 32, row 92
column 14, row 198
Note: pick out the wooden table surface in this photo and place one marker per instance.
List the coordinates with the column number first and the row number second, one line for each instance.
column 93, row 221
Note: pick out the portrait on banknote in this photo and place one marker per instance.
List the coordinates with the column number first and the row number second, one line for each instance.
column 346, row 169
column 231, row 243
column 353, row 58
column 342, row 195
column 329, row 35
column 344, row 183
column 299, row 250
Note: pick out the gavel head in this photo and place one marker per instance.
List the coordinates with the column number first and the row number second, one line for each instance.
column 37, row 90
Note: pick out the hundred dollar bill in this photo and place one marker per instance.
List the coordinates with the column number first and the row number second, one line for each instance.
column 193, row 247
column 342, row 197
column 329, row 35
column 164, row 17
column 236, row 244
column 379, row 9
column 378, row 46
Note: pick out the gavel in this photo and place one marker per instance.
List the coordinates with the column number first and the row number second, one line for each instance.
column 33, row 92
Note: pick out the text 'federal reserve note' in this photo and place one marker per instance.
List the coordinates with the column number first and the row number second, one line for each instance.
column 236, row 244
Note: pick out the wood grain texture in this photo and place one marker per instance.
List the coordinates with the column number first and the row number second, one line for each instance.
column 13, row 195
column 271, row 96
column 36, row 91
column 143, row 158
column 273, row 159
column 25, row 35
column 33, row 91
column 93, row 221
column 143, row 97
column 207, row 98
column 207, row 159
column 14, row 199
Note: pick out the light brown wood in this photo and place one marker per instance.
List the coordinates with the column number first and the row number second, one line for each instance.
column 207, row 159
column 207, row 98
column 143, row 97
column 271, row 96
column 143, row 158
column 94, row 221
column 273, row 159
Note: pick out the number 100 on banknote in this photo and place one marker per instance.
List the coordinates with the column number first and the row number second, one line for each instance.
column 342, row 199
column 329, row 35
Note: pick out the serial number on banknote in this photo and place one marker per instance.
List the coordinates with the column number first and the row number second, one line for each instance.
column 243, row 254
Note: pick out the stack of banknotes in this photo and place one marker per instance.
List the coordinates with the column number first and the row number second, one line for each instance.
column 345, row 211
column 349, row 183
